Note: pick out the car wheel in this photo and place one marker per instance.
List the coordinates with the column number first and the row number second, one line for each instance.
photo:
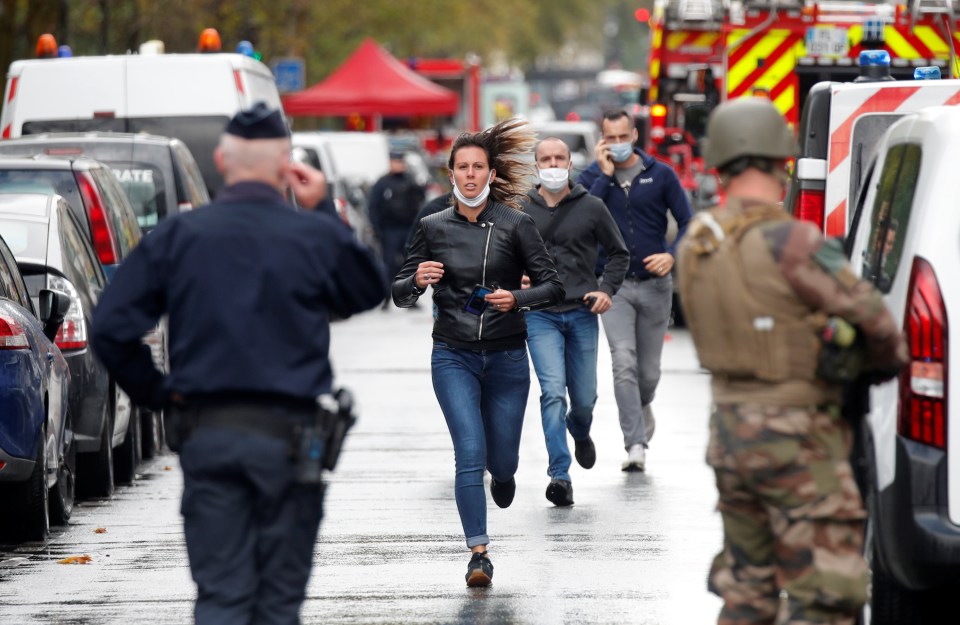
column 63, row 494
column 95, row 469
column 128, row 453
column 25, row 504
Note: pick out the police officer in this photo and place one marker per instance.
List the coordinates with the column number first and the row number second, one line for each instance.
column 757, row 288
column 248, row 284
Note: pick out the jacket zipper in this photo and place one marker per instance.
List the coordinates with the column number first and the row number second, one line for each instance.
column 483, row 275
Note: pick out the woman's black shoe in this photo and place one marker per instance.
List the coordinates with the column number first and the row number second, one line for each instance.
column 503, row 492
column 480, row 570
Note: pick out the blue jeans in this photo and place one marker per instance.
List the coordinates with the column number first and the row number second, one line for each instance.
column 563, row 347
column 635, row 327
column 483, row 395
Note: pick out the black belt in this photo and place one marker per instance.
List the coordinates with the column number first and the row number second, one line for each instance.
column 272, row 422
column 635, row 277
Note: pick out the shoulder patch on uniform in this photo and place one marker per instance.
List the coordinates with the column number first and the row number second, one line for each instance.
column 776, row 235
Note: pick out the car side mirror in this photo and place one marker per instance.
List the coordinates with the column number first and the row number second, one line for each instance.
column 53, row 309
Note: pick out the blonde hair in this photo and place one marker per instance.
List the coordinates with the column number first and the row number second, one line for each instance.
column 505, row 144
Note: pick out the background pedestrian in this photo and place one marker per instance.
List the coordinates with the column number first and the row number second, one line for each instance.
column 758, row 287
column 248, row 284
column 639, row 190
column 474, row 254
column 563, row 339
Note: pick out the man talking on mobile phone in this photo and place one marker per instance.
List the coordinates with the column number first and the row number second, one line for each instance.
column 563, row 339
column 638, row 190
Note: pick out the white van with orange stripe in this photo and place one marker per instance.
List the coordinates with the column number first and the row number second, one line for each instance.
column 839, row 131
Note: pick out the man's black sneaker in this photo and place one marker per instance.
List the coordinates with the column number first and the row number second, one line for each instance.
column 585, row 452
column 560, row 492
column 502, row 492
column 480, row 570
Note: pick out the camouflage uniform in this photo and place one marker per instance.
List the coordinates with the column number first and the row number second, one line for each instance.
column 757, row 286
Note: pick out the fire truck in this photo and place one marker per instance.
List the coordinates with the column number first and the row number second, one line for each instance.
column 704, row 52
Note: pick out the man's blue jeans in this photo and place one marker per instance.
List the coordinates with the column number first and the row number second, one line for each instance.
column 563, row 347
column 483, row 395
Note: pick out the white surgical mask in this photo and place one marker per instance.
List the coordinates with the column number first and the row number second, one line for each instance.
column 477, row 201
column 554, row 178
column 620, row 152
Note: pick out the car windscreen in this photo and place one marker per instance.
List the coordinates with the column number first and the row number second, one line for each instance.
column 60, row 181
column 200, row 133
column 27, row 240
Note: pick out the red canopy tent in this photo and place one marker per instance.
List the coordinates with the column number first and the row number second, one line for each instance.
column 373, row 82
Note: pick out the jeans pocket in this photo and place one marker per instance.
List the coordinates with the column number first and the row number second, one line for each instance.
column 440, row 345
column 517, row 354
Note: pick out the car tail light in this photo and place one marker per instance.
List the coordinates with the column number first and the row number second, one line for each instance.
column 100, row 227
column 923, row 385
column 183, row 207
column 12, row 334
column 73, row 332
column 811, row 204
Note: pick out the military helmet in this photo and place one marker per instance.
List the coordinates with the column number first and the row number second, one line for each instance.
column 747, row 127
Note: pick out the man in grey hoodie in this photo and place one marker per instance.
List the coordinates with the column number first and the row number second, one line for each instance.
column 563, row 339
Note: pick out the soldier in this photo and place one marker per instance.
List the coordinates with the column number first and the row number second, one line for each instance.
column 249, row 285
column 757, row 288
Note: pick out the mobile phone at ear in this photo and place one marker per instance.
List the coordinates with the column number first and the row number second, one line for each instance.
column 475, row 303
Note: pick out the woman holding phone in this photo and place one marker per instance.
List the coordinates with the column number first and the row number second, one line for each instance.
column 474, row 255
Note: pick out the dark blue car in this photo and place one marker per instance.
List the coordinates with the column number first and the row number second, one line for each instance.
column 37, row 453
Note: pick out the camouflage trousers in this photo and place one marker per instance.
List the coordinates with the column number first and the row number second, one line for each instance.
column 793, row 519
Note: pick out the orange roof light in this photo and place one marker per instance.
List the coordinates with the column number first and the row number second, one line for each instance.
column 658, row 110
column 209, row 41
column 47, row 47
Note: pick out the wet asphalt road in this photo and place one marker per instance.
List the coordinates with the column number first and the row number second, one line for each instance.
column 633, row 549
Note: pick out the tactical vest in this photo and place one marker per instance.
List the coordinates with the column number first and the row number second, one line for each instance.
column 745, row 319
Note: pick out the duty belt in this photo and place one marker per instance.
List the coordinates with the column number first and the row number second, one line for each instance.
column 276, row 423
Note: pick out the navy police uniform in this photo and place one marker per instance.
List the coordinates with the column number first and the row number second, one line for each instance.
column 248, row 284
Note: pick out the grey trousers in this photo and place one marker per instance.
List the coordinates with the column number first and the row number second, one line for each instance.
column 635, row 327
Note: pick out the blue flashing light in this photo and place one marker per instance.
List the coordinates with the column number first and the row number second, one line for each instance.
column 245, row 48
column 874, row 58
column 931, row 72
column 64, row 52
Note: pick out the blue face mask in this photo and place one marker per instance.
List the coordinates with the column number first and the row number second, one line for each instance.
column 620, row 152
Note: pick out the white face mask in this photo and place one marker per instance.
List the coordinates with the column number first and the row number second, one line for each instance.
column 477, row 201
column 620, row 152
column 554, row 178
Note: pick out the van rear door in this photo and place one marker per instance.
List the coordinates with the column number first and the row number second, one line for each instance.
column 63, row 89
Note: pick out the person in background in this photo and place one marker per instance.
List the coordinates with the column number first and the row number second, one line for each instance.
column 435, row 205
column 563, row 339
column 639, row 190
column 474, row 255
column 758, row 288
column 249, row 285
column 394, row 201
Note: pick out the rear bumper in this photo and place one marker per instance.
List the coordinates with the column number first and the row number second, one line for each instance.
column 15, row 469
column 916, row 541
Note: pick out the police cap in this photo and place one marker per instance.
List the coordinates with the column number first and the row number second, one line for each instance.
column 258, row 122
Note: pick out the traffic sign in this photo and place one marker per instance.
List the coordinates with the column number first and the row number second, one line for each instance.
column 290, row 74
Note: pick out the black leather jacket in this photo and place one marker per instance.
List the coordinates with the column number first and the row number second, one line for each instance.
column 495, row 251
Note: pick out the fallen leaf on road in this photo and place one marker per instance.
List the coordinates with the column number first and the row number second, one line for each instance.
column 100, row 530
column 168, row 468
column 75, row 560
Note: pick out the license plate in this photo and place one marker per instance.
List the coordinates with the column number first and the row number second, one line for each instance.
column 827, row 42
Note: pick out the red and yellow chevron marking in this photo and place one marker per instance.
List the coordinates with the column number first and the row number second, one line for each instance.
column 695, row 39
column 765, row 62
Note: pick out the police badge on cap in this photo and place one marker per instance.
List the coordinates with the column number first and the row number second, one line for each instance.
column 258, row 122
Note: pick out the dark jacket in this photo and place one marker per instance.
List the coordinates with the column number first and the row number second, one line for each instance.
column 573, row 244
column 496, row 251
column 394, row 201
column 249, row 285
column 642, row 219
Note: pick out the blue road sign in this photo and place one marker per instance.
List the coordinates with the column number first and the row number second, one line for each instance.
column 290, row 74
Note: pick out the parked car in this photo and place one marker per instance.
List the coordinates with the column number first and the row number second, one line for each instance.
column 37, row 452
column 903, row 239
column 92, row 191
column 48, row 242
column 159, row 174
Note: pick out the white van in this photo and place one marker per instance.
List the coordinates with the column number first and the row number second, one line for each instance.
column 187, row 96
